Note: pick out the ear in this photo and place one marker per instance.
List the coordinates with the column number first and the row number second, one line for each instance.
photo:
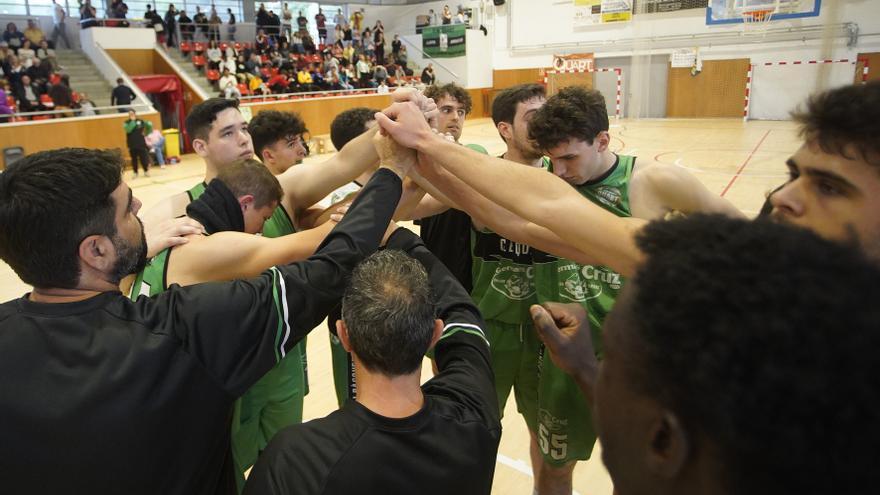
column 669, row 447
column 97, row 252
column 342, row 333
column 200, row 146
column 437, row 333
column 604, row 139
column 246, row 201
column 506, row 131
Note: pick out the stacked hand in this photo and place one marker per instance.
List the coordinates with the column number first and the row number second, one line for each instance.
column 565, row 331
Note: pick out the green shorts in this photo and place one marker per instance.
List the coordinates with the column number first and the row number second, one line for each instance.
column 565, row 424
column 274, row 402
column 514, row 350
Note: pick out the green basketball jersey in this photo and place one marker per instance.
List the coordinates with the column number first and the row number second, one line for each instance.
column 503, row 277
column 277, row 225
column 152, row 280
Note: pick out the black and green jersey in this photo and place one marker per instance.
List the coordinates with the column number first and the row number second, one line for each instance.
column 503, row 276
column 153, row 279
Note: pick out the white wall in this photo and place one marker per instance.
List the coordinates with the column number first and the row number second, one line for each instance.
column 93, row 45
column 471, row 71
column 120, row 38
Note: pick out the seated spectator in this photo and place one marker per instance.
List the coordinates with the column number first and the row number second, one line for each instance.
column 226, row 80
column 46, row 53
column 382, row 88
column 428, row 75
column 399, row 73
column 347, row 79
column 5, row 109
column 261, row 44
column 62, row 96
column 304, row 79
column 309, row 44
column 364, row 71
column 41, row 71
column 87, row 15
column 380, row 74
column 214, row 55
column 402, row 57
column 13, row 37
column 26, row 54
column 86, row 106
column 14, row 70
column 388, row 323
column 156, row 144
column 229, row 64
column 279, row 83
column 28, row 95
column 33, row 33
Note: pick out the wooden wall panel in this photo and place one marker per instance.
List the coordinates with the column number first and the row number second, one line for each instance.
column 873, row 67
column 717, row 91
column 506, row 78
column 102, row 132
column 134, row 62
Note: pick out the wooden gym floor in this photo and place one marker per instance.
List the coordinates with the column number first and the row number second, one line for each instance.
column 738, row 161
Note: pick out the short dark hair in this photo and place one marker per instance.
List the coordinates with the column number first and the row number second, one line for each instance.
column 505, row 103
column 119, row 80
column 268, row 126
column 388, row 309
column 451, row 90
column 49, row 202
column 844, row 121
column 762, row 338
column 203, row 115
column 350, row 124
column 252, row 177
column 574, row 112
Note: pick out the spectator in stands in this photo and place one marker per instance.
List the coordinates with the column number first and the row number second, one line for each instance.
column 171, row 26
column 302, row 22
column 347, row 35
column 34, row 33
column 229, row 86
column 261, row 43
column 399, row 74
column 321, row 23
column 187, row 28
column 241, row 68
column 395, row 46
column 228, row 63
column 286, row 20
column 201, row 21
column 122, row 95
column 432, row 17
column 14, row 70
column 156, row 144
column 364, row 71
column 382, row 88
column 262, row 17
column 380, row 48
column 309, row 44
column 346, row 77
column 60, row 29
column 230, row 25
column 152, row 19
column 297, row 42
column 40, row 72
column 447, row 15
column 428, row 75
column 380, row 73
column 46, row 53
column 118, row 10
column 274, row 30
column 87, row 15
column 357, row 20
column 28, row 95
column 5, row 109
column 214, row 23
column 13, row 36
column 459, row 17
column 136, row 131
column 378, row 28
column 402, row 57
column 339, row 18
column 26, row 54
column 304, row 79
column 62, row 96
column 86, row 105
column 253, row 64
column 215, row 56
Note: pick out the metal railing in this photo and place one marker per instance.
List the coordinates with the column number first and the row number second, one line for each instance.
column 320, row 94
column 77, row 112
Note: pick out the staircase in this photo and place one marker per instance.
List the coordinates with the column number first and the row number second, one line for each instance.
column 84, row 76
column 185, row 64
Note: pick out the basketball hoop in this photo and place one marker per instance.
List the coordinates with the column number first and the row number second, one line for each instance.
column 756, row 22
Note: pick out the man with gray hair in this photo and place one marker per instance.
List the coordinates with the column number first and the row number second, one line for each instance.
column 442, row 436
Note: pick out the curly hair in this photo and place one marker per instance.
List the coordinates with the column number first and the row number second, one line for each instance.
column 349, row 125
column 453, row 91
column 763, row 338
column 270, row 126
column 574, row 112
column 844, row 121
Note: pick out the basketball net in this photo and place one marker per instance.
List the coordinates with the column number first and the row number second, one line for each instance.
column 756, row 22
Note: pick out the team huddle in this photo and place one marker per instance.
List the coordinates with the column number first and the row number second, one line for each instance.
column 164, row 351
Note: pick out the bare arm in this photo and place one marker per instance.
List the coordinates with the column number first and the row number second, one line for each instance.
column 235, row 255
column 532, row 194
column 170, row 207
column 669, row 188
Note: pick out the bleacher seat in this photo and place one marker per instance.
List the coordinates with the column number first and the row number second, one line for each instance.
column 238, row 46
column 54, row 78
column 223, row 46
column 46, row 101
column 213, row 75
column 242, row 87
column 199, row 47
column 266, row 72
column 185, row 47
column 199, row 61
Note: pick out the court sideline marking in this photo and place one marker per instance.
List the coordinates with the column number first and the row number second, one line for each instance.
column 746, row 162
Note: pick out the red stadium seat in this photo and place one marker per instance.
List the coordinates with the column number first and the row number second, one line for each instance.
column 42, row 117
column 266, row 72
column 243, row 89
column 10, row 101
column 273, row 71
column 223, row 45
column 213, row 75
column 199, row 61
column 199, row 47
column 185, row 47
column 264, row 59
column 54, row 78
column 47, row 101
column 238, row 46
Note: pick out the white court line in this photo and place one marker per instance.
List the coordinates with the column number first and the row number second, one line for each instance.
column 521, row 466
column 678, row 163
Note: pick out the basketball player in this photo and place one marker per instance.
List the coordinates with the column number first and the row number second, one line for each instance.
column 702, row 392
column 573, row 128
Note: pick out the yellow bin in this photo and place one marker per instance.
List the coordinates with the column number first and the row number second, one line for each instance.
column 172, row 143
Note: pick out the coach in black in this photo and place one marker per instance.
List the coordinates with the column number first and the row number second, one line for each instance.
column 102, row 394
column 397, row 437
